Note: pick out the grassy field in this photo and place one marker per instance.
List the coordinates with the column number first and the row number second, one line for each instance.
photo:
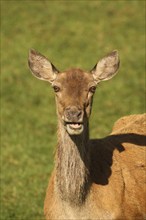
column 70, row 33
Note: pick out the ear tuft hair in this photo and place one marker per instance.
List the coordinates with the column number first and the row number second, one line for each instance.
column 107, row 67
column 41, row 67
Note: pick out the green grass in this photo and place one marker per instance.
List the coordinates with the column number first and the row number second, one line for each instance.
column 70, row 33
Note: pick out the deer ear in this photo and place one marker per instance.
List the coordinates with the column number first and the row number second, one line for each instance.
column 41, row 67
column 107, row 67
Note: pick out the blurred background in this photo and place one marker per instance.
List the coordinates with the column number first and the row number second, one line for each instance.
column 70, row 34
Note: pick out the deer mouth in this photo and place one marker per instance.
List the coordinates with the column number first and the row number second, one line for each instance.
column 74, row 128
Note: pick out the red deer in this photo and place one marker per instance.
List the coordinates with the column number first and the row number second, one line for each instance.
column 92, row 179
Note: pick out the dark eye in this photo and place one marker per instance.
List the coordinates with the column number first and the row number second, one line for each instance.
column 56, row 88
column 92, row 89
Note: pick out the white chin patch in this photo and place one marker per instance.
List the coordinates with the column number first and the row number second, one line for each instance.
column 74, row 128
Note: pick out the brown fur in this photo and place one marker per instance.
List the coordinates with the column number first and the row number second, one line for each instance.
column 92, row 179
column 117, row 176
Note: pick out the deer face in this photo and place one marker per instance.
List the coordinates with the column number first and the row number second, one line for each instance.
column 74, row 89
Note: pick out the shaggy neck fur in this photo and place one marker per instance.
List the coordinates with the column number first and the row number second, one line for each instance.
column 72, row 166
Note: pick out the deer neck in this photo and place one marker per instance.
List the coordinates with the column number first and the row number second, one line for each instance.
column 72, row 165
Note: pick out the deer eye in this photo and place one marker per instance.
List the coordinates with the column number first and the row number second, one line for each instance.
column 92, row 89
column 56, row 88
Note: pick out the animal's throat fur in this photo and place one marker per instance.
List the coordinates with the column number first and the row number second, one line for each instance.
column 72, row 168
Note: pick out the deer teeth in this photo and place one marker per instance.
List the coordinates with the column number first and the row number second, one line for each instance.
column 75, row 125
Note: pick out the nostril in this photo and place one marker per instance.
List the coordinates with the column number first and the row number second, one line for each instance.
column 79, row 113
column 73, row 113
column 68, row 108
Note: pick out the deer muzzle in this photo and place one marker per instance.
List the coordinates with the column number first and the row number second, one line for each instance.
column 74, row 120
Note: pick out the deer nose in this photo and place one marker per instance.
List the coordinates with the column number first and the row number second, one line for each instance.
column 73, row 114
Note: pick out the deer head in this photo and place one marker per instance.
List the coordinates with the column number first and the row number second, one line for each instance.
column 74, row 89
